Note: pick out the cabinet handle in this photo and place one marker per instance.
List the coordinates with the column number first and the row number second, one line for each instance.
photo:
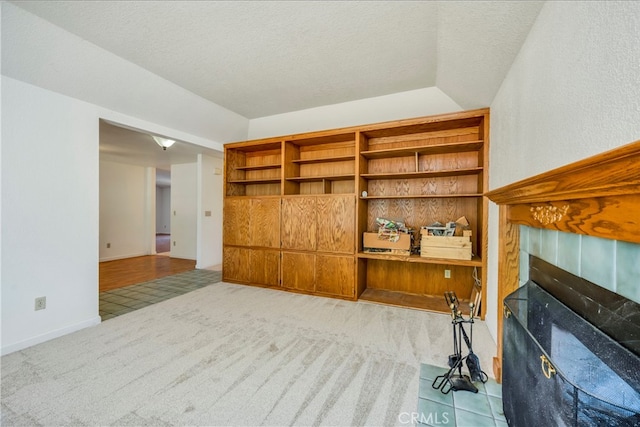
column 506, row 312
column 550, row 370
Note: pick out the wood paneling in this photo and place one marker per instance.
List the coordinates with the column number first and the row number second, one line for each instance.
column 299, row 223
column 262, row 189
column 291, row 169
column 418, row 171
column 254, row 170
column 265, row 222
column 252, row 266
column 584, row 216
column 235, row 264
column 335, row 275
column 298, row 271
column 232, row 160
column 264, row 266
column 508, row 270
column 336, row 224
column 403, row 299
column 419, row 279
column 237, row 220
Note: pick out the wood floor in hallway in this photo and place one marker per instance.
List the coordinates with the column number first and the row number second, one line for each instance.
column 124, row 272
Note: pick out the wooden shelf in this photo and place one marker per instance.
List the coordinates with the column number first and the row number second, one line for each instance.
column 424, row 196
column 435, row 303
column 322, row 178
column 255, row 181
column 252, row 147
column 324, row 160
column 258, row 167
column 451, row 147
column 474, row 262
column 306, row 188
column 423, row 174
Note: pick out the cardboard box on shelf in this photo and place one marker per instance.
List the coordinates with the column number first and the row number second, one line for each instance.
column 372, row 243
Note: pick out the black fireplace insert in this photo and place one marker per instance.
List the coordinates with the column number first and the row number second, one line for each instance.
column 571, row 353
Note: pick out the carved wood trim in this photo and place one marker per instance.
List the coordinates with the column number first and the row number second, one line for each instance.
column 614, row 217
column 598, row 196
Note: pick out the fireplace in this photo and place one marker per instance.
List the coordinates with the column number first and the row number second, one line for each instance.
column 598, row 196
column 571, row 352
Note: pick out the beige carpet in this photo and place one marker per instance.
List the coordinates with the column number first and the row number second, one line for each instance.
column 234, row 355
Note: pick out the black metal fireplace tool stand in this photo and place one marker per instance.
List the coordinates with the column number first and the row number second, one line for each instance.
column 454, row 379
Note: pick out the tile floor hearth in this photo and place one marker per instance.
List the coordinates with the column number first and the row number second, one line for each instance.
column 129, row 298
column 459, row 408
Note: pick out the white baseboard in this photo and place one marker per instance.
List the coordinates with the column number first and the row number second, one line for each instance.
column 50, row 335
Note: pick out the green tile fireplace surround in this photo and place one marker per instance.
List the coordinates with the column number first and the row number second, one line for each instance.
column 614, row 265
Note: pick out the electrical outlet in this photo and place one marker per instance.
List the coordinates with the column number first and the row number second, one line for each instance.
column 447, row 274
column 41, row 303
column 174, row 243
column 108, row 245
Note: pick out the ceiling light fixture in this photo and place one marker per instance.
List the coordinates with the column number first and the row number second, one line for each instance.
column 164, row 142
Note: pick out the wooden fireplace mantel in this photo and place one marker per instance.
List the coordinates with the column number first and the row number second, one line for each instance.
column 598, row 196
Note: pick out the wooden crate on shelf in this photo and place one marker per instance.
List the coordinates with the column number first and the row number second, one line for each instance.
column 372, row 243
column 448, row 247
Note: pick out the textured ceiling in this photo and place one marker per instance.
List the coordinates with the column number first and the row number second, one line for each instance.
column 259, row 58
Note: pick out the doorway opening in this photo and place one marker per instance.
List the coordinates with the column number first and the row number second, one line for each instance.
column 163, row 212
column 137, row 233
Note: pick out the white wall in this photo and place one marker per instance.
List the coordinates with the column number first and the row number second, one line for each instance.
column 573, row 92
column 163, row 210
column 50, row 211
column 122, row 211
column 49, row 214
column 50, row 182
column 40, row 53
column 403, row 105
column 1, row 174
column 184, row 205
column 210, row 187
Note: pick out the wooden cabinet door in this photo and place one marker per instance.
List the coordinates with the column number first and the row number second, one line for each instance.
column 264, row 267
column 265, row 222
column 298, row 271
column 235, row 264
column 237, row 220
column 299, row 223
column 335, row 275
column 336, row 224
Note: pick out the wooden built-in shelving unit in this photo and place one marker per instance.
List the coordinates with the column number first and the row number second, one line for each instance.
column 325, row 189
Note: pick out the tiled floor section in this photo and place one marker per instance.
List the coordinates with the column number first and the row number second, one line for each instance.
column 458, row 408
column 124, row 300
